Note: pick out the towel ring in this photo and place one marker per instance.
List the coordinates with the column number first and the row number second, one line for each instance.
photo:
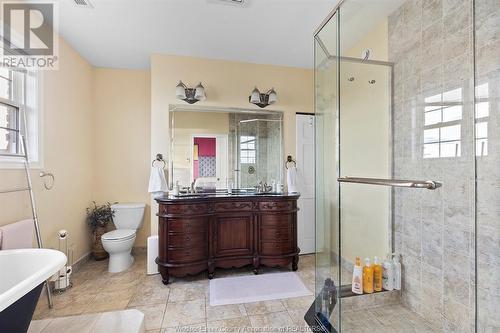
column 289, row 159
column 159, row 158
column 44, row 174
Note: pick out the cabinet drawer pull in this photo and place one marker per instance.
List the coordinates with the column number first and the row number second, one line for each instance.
column 188, row 238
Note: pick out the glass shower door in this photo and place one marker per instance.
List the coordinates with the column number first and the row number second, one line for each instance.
column 398, row 132
column 324, row 315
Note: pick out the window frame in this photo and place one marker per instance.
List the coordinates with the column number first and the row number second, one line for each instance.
column 246, row 142
column 30, row 110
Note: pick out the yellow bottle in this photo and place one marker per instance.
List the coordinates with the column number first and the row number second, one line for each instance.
column 377, row 274
column 368, row 277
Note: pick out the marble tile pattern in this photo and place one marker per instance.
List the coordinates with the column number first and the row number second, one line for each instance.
column 431, row 46
column 183, row 305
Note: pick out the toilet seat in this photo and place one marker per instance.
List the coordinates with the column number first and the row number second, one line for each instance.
column 119, row 235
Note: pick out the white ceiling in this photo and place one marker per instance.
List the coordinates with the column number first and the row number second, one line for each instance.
column 124, row 33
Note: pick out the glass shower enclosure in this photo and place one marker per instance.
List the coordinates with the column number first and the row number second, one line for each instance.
column 407, row 164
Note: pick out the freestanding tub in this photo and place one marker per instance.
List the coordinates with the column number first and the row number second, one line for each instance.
column 22, row 274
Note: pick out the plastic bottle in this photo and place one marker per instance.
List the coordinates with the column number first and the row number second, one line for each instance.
column 388, row 274
column 357, row 277
column 377, row 274
column 368, row 277
column 397, row 272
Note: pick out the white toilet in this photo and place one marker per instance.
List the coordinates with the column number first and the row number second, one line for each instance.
column 118, row 243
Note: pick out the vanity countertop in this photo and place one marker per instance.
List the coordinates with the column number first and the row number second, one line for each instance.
column 233, row 196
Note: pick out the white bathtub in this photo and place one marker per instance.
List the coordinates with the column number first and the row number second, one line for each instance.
column 23, row 270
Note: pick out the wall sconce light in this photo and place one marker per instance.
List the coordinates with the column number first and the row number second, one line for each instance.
column 190, row 95
column 263, row 100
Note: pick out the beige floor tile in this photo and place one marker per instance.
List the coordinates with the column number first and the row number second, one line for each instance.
column 271, row 321
column 80, row 324
column 298, row 317
column 264, row 307
column 187, row 292
column 110, row 301
column 153, row 315
column 184, row 313
column 36, row 326
column 198, row 328
column 221, row 312
column 146, row 295
column 298, row 303
column 229, row 325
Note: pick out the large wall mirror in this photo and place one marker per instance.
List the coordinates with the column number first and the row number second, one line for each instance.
column 214, row 148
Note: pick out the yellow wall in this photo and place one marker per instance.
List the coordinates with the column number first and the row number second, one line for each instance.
column 228, row 84
column 365, row 142
column 68, row 152
column 122, row 139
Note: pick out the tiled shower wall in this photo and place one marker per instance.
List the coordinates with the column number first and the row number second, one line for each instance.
column 431, row 45
column 487, row 45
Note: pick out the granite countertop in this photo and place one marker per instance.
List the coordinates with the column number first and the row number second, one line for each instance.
column 201, row 196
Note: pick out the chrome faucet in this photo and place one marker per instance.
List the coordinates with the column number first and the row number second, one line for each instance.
column 262, row 187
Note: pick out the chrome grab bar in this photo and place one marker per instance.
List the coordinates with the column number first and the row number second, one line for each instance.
column 426, row 184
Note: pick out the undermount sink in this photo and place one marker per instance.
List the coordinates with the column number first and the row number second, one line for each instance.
column 23, row 273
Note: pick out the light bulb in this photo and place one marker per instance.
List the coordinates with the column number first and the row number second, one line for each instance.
column 273, row 97
column 255, row 97
column 200, row 92
column 180, row 90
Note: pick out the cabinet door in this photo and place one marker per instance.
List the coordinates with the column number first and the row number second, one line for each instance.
column 234, row 235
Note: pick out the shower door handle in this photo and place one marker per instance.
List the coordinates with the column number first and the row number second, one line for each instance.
column 425, row 184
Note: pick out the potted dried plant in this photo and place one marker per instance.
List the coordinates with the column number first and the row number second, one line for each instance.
column 98, row 219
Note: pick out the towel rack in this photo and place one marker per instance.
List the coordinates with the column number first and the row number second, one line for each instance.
column 289, row 159
column 29, row 189
column 44, row 174
column 159, row 158
column 425, row 184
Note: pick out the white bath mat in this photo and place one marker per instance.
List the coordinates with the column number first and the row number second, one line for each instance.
column 256, row 288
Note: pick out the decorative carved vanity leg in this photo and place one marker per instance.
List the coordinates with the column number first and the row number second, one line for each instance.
column 165, row 277
column 211, row 270
column 256, row 265
column 295, row 263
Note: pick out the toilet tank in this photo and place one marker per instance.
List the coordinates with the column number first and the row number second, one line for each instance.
column 128, row 215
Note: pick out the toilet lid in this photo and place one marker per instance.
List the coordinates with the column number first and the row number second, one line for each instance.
column 119, row 234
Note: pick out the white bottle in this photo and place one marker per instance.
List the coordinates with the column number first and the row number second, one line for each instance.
column 388, row 274
column 357, row 277
column 397, row 272
column 176, row 189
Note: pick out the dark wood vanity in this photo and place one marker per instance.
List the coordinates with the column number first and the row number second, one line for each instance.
column 204, row 233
